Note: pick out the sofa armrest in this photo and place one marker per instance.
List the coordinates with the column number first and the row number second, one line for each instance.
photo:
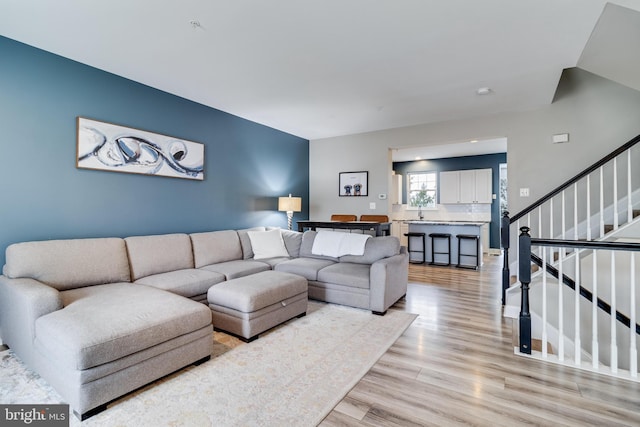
column 22, row 302
column 388, row 281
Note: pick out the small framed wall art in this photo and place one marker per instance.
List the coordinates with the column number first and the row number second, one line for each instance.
column 108, row 147
column 353, row 184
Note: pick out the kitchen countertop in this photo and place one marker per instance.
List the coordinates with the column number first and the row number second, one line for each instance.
column 443, row 222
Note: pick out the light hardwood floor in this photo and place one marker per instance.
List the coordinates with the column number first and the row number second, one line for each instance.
column 455, row 366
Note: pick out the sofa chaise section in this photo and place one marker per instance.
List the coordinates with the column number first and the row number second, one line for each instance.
column 70, row 312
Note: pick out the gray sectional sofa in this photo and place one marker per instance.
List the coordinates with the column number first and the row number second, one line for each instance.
column 372, row 281
column 98, row 318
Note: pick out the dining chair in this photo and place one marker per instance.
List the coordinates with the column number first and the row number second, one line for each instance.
column 343, row 217
column 374, row 218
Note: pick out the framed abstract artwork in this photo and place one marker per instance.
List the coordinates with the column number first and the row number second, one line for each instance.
column 353, row 184
column 109, row 147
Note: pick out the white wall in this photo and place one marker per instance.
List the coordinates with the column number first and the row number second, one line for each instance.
column 600, row 115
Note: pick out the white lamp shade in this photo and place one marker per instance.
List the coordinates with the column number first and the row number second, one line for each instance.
column 290, row 204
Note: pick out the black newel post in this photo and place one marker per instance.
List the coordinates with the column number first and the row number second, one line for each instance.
column 504, row 240
column 524, row 268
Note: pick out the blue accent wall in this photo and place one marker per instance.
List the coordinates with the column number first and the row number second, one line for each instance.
column 486, row 161
column 44, row 196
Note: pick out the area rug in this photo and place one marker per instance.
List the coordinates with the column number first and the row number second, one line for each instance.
column 292, row 375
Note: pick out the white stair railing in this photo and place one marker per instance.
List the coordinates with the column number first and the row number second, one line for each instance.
column 575, row 322
column 572, row 332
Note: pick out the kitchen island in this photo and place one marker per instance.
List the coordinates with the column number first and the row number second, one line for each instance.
column 446, row 227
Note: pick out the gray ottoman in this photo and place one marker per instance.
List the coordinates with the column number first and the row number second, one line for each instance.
column 249, row 305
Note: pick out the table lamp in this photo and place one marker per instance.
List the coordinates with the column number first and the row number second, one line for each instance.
column 290, row 205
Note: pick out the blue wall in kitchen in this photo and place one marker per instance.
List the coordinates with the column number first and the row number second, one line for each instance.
column 44, row 196
column 486, row 161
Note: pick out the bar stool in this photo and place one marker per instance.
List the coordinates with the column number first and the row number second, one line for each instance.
column 442, row 236
column 476, row 254
column 423, row 251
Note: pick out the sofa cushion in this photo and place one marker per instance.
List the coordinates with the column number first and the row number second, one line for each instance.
column 305, row 267
column 103, row 323
column 306, row 247
column 158, row 254
column 267, row 244
column 188, row 283
column 375, row 249
column 292, row 240
column 238, row 268
column 68, row 264
column 346, row 273
column 275, row 261
column 215, row 246
column 245, row 243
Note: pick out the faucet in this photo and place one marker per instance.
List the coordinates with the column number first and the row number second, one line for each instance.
column 420, row 213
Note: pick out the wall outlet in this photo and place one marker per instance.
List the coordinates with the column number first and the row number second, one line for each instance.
column 372, row 206
column 524, row 192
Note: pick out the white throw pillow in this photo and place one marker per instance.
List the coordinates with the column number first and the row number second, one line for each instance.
column 267, row 244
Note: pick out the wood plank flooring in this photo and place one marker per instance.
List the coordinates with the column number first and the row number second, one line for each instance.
column 455, row 366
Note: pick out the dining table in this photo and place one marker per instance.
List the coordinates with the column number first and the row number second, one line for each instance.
column 380, row 228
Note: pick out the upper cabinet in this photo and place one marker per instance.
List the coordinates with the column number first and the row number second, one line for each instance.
column 396, row 189
column 468, row 186
column 450, row 187
column 484, row 188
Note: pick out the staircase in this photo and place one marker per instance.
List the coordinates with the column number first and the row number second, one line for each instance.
column 575, row 295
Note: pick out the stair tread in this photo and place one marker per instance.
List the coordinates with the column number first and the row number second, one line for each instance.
column 536, row 345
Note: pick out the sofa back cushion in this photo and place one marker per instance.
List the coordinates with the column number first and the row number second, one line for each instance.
column 308, row 237
column 292, row 241
column 69, row 264
column 245, row 242
column 375, row 249
column 214, row 247
column 158, row 254
column 267, row 244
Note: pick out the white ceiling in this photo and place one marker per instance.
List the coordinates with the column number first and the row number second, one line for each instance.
column 616, row 27
column 319, row 69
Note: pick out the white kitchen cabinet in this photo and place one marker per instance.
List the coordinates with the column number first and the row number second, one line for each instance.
column 395, row 229
column 484, row 238
column 404, row 229
column 396, row 189
column 399, row 229
column 483, row 180
column 467, row 186
column 449, row 187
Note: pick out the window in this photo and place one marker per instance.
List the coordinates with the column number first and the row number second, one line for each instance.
column 503, row 187
column 422, row 189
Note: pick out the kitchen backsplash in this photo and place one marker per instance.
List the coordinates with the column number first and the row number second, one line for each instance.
column 462, row 212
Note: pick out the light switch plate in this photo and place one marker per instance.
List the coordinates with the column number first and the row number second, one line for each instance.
column 524, row 192
column 560, row 138
column 372, row 205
